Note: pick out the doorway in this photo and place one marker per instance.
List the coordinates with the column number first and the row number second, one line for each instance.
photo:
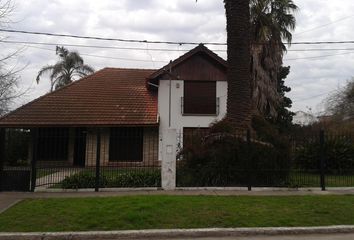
column 80, row 147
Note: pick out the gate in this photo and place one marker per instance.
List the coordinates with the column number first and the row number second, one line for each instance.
column 15, row 180
column 15, row 174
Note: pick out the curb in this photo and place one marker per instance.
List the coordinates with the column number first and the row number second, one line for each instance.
column 178, row 233
column 313, row 190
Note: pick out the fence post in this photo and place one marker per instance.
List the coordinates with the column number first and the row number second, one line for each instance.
column 2, row 155
column 168, row 166
column 98, row 158
column 322, row 160
column 249, row 160
column 34, row 135
column 2, row 149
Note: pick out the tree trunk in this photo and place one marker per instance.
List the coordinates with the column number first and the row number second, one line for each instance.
column 266, row 63
column 239, row 62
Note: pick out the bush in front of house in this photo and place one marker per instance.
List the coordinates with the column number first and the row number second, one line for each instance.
column 82, row 180
column 225, row 158
column 16, row 147
column 114, row 179
column 338, row 153
column 135, row 179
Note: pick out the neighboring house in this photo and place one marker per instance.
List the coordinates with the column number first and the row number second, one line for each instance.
column 188, row 93
column 302, row 118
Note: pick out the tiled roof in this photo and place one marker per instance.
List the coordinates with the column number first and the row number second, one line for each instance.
column 109, row 97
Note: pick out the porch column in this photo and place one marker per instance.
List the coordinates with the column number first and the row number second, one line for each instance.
column 168, row 169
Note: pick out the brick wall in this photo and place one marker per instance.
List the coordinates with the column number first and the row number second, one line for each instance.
column 150, row 148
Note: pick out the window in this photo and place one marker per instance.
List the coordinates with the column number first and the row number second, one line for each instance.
column 199, row 97
column 191, row 136
column 126, row 145
column 53, row 144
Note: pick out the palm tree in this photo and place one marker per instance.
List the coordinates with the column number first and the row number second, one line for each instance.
column 69, row 68
column 238, row 56
column 238, row 26
column 272, row 22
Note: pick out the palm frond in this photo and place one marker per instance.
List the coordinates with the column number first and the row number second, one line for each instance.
column 43, row 71
column 70, row 64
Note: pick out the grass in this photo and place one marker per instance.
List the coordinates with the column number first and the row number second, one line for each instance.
column 45, row 172
column 313, row 180
column 164, row 212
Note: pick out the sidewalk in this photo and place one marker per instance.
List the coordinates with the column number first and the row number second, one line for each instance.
column 333, row 232
column 7, row 199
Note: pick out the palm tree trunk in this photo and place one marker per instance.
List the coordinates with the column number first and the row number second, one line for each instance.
column 239, row 62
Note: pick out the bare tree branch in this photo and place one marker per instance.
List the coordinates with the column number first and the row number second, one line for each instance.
column 8, row 71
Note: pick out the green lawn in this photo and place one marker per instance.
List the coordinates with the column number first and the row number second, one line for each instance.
column 298, row 179
column 45, row 172
column 156, row 212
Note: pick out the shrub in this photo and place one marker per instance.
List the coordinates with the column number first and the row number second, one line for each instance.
column 223, row 158
column 134, row 179
column 338, row 152
column 16, row 147
column 115, row 179
column 82, row 180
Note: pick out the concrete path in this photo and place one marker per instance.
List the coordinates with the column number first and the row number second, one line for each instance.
column 7, row 202
column 50, row 180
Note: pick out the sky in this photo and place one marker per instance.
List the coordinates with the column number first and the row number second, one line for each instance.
column 314, row 74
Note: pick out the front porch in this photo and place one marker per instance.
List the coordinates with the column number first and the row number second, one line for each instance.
column 74, row 157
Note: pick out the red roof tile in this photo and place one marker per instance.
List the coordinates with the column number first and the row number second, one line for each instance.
column 110, row 96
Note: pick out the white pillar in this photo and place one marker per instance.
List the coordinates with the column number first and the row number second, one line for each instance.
column 168, row 169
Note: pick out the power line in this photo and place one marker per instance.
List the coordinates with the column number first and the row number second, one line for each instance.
column 163, row 49
column 106, row 39
column 320, row 49
column 317, row 57
column 139, row 60
column 106, row 57
column 315, row 96
column 159, row 42
column 156, row 49
column 97, row 46
column 323, row 42
column 324, row 25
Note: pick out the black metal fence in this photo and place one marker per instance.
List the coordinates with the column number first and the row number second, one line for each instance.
column 315, row 159
column 76, row 158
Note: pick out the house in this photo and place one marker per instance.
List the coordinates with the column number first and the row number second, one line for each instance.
column 302, row 118
column 131, row 109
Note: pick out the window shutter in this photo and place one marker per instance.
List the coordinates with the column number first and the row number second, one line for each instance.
column 200, row 97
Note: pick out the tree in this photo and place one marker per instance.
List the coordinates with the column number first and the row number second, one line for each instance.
column 264, row 23
column 272, row 22
column 69, row 68
column 238, row 56
column 8, row 75
column 340, row 104
column 284, row 118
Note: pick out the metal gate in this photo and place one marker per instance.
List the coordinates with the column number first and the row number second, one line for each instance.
column 75, row 158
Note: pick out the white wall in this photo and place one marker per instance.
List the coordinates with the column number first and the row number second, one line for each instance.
column 178, row 121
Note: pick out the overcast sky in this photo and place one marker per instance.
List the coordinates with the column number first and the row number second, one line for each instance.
column 313, row 76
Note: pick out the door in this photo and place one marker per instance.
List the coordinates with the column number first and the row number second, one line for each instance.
column 80, row 147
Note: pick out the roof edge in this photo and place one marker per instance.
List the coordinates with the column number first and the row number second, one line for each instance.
column 200, row 48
